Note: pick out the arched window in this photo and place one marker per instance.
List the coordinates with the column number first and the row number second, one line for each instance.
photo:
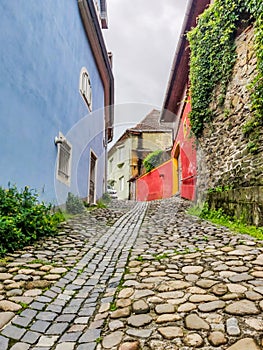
column 85, row 87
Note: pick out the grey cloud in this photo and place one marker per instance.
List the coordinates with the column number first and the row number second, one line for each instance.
column 143, row 35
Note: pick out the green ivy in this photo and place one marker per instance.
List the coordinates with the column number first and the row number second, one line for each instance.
column 152, row 160
column 256, row 87
column 213, row 55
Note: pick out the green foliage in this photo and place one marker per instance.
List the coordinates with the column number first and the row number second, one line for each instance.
column 113, row 306
column 213, row 56
column 74, row 204
column 219, row 217
column 256, row 87
column 152, row 160
column 160, row 257
column 219, row 189
column 139, row 258
column 252, row 147
column 106, row 198
column 101, row 204
column 23, row 219
column 111, row 182
column 98, row 340
column 185, row 251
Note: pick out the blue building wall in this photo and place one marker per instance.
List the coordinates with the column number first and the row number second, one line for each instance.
column 43, row 48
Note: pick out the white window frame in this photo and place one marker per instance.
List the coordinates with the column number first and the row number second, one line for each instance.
column 64, row 160
column 85, row 87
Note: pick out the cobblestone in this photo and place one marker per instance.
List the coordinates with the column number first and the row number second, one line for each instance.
column 199, row 276
column 135, row 276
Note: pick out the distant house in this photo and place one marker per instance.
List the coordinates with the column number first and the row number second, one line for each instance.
column 56, row 94
column 125, row 158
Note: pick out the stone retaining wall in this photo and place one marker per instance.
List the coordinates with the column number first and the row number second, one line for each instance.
column 245, row 203
column 224, row 154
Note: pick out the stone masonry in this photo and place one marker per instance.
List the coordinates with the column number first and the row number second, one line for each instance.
column 136, row 276
column 225, row 155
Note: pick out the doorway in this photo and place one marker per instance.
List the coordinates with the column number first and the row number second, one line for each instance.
column 178, row 172
column 92, row 178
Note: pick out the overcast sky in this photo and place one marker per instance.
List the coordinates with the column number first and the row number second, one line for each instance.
column 142, row 36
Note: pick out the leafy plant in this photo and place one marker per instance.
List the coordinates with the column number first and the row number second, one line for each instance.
column 159, row 257
column 111, row 182
column 221, row 218
column 98, row 340
column 74, row 204
column 252, row 147
column 153, row 159
column 213, row 56
column 106, row 198
column 185, row 251
column 23, row 219
column 139, row 258
column 113, row 306
column 101, row 204
column 219, row 189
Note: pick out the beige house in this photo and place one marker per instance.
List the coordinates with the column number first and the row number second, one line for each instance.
column 125, row 158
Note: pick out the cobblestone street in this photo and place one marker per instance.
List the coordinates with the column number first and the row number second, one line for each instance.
column 135, row 276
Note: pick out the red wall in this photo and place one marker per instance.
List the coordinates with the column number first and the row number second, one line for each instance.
column 156, row 184
column 162, row 181
column 186, row 145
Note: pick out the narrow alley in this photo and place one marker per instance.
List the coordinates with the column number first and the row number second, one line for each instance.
column 135, row 276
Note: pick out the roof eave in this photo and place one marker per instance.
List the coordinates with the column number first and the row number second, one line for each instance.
column 94, row 35
column 179, row 77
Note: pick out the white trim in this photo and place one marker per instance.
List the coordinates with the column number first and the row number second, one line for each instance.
column 85, row 88
column 64, row 175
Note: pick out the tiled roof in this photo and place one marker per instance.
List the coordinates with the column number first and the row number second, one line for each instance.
column 150, row 123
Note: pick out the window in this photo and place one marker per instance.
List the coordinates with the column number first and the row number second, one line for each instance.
column 111, row 165
column 121, row 183
column 64, row 160
column 85, row 87
column 121, row 153
column 92, row 178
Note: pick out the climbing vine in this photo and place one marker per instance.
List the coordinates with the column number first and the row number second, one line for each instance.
column 153, row 160
column 213, row 55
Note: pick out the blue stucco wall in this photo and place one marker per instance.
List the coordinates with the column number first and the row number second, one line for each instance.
column 43, row 48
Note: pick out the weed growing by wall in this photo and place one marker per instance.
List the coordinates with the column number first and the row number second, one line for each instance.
column 23, row 219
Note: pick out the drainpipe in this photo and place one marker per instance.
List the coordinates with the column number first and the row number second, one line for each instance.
column 105, row 144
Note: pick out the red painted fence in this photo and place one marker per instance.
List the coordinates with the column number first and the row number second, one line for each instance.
column 157, row 184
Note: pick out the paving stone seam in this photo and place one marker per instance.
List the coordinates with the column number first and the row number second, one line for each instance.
column 136, row 215
column 125, row 233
